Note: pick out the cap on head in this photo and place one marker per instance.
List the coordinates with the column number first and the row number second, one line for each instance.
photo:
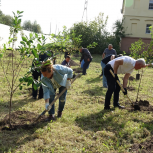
column 67, row 56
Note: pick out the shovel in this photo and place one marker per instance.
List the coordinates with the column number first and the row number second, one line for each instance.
column 49, row 107
column 136, row 106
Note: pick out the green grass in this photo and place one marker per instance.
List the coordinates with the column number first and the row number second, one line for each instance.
column 84, row 126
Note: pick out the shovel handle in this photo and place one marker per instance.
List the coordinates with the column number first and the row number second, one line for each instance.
column 43, row 113
column 120, row 86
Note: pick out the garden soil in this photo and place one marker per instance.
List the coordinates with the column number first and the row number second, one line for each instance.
column 144, row 147
column 72, row 63
column 130, row 88
column 144, row 106
column 131, row 78
column 78, row 70
column 20, row 119
column 11, row 55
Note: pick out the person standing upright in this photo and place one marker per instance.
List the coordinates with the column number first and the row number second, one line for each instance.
column 86, row 55
column 107, row 52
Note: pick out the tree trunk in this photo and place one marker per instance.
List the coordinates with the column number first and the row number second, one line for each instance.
column 11, row 96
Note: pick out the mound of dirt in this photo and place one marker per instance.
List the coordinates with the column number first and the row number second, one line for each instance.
column 11, row 55
column 77, row 70
column 130, row 88
column 143, row 105
column 20, row 119
column 145, row 147
column 76, row 55
column 72, row 63
column 131, row 78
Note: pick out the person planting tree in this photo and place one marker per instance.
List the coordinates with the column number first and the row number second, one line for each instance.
column 86, row 55
column 53, row 77
column 121, row 65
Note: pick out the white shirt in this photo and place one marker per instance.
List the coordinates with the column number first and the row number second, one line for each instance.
column 127, row 67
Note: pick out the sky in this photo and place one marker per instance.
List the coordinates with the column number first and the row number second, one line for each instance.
column 58, row 13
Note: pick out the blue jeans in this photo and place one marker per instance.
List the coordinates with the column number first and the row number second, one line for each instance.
column 86, row 65
column 62, row 101
column 104, row 78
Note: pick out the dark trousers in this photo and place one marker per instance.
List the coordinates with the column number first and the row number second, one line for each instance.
column 112, row 87
column 85, row 66
column 35, row 75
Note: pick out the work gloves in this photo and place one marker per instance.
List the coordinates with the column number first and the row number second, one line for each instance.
column 125, row 91
column 116, row 77
column 46, row 105
column 68, row 84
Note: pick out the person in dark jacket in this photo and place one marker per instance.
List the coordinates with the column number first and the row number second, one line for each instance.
column 66, row 62
column 37, row 74
column 104, row 62
column 86, row 55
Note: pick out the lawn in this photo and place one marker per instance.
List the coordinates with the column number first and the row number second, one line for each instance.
column 84, row 126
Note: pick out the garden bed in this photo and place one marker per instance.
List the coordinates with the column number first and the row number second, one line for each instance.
column 144, row 147
column 144, row 106
column 20, row 119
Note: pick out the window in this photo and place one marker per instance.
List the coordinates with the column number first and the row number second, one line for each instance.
column 134, row 28
column 151, row 5
column 147, row 28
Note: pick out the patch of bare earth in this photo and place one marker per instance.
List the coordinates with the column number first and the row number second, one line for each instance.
column 20, row 119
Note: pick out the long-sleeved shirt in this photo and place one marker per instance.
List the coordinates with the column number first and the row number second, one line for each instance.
column 60, row 75
column 85, row 55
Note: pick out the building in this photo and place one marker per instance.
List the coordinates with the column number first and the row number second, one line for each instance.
column 138, row 17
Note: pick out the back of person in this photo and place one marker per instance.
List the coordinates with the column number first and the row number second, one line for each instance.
column 86, row 54
column 127, row 67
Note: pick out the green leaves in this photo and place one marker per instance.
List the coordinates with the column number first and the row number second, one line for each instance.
column 4, row 46
column 24, row 39
column 1, row 55
column 34, row 52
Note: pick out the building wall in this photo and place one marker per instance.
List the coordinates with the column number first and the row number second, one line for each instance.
column 137, row 8
column 137, row 16
column 127, row 41
column 135, row 26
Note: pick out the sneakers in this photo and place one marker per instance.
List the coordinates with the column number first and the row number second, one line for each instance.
column 59, row 114
column 119, row 106
column 50, row 118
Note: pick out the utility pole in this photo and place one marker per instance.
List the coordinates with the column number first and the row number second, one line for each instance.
column 56, row 29
column 85, row 9
column 50, row 27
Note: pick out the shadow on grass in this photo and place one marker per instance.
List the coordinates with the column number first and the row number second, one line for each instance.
column 94, row 80
column 97, row 122
column 97, row 91
column 12, row 140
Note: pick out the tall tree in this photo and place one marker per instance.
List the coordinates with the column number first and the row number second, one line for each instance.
column 6, row 19
column 119, row 31
column 35, row 27
column 93, row 31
